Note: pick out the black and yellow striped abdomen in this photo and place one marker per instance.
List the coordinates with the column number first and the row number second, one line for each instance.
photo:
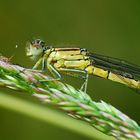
column 113, row 76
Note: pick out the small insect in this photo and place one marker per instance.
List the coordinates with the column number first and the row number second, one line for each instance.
column 81, row 63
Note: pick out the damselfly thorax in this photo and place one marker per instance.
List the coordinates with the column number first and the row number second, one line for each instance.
column 83, row 63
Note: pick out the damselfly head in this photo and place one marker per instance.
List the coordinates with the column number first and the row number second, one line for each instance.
column 35, row 48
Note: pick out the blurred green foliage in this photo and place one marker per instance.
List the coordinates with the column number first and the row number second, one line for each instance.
column 106, row 27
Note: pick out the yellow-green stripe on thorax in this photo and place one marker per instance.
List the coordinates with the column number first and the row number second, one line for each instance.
column 70, row 58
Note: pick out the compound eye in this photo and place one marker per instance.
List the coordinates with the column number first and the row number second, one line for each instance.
column 33, row 42
column 42, row 43
column 38, row 42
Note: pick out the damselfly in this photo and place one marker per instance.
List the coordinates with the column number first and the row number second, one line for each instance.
column 80, row 63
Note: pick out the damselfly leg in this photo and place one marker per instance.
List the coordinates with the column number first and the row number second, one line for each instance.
column 78, row 74
column 57, row 76
column 45, row 67
column 37, row 63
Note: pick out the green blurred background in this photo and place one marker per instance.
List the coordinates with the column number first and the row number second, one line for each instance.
column 106, row 27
